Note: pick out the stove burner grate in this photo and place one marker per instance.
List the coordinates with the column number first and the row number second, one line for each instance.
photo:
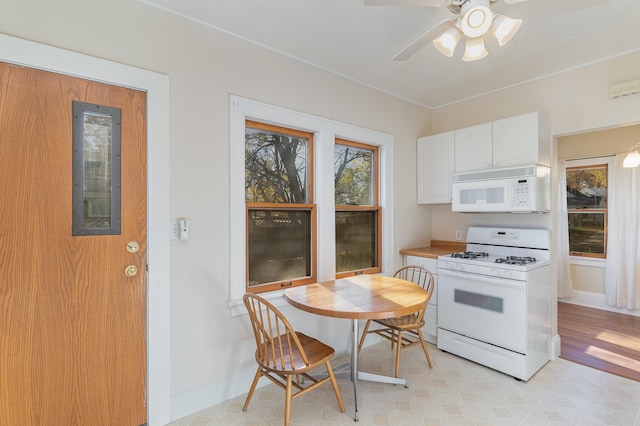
column 470, row 254
column 516, row 260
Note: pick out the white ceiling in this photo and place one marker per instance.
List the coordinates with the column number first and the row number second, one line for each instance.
column 358, row 42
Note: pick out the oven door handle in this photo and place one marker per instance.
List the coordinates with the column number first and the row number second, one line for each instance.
column 497, row 281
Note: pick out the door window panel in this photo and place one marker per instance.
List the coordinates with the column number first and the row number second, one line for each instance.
column 96, row 169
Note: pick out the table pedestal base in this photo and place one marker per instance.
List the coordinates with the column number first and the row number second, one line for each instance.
column 361, row 375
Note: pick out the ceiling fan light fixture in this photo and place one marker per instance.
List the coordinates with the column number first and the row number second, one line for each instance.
column 504, row 28
column 476, row 21
column 474, row 49
column 448, row 41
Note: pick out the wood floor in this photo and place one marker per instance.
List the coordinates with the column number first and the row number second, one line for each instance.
column 600, row 339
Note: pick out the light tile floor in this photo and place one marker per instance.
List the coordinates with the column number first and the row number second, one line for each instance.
column 454, row 392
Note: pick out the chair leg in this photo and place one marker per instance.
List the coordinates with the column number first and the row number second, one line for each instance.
column 424, row 348
column 253, row 388
column 398, row 349
column 364, row 335
column 334, row 383
column 287, row 401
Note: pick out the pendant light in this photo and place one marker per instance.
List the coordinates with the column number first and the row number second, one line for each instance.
column 633, row 157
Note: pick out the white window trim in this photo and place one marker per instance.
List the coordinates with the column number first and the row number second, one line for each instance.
column 608, row 160
column 325, row 132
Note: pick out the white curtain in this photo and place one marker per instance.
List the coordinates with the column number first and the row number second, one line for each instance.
column 622, row 276
column 565, row 287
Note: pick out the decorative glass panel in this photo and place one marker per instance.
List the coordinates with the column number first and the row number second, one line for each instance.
column 356, row 240
column 354, row 171
column 279, row 245
column 96, row 170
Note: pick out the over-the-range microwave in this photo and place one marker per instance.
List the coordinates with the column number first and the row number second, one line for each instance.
column 524, row 189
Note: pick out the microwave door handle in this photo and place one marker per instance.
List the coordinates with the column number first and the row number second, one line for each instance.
column 510, row 194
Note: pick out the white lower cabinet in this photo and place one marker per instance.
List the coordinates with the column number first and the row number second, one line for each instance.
column 430, row 329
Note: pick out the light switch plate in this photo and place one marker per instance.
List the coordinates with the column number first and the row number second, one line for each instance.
column 174, row 231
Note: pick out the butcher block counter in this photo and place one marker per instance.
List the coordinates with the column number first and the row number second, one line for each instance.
column 436, row 249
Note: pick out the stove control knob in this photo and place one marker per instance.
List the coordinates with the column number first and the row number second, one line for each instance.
column 506, row 274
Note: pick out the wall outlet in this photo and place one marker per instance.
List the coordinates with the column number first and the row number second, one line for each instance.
column 458, row 235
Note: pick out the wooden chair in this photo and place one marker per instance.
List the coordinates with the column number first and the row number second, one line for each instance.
column 283, row 354
column 405, row 331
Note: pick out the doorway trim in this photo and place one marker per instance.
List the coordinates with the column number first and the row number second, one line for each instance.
column 21, row 52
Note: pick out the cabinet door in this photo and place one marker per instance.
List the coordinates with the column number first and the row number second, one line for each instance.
column 430, row 329
column 473, row 148
column 435, row 166
column 515, row 141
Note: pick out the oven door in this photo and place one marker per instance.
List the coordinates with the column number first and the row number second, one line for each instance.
column 489, row 309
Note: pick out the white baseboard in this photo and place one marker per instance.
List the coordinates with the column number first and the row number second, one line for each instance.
column 595, row 300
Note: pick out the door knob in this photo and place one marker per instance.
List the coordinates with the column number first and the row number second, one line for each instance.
column 131, row 270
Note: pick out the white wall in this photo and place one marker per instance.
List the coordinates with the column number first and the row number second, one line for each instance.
column 211, row 352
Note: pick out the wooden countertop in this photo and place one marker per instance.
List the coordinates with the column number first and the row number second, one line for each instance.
column 436, row 249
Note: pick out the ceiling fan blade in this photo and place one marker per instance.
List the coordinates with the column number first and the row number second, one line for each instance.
column 424, row 39
column 416, row 3
column 513, row 1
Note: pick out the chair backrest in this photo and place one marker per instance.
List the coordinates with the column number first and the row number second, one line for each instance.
column 420, row 276
column 278, row 346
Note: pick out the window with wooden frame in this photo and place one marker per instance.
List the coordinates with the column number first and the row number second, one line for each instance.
column 358, row 212
column 280, row 209
column 587, row 194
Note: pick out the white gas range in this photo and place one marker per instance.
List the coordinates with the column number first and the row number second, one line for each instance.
column 494, row 300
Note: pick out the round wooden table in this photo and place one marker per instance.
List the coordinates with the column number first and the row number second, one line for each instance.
column 360, row 297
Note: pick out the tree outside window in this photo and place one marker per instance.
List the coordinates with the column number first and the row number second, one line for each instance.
column 357, row 208
column 587, row 210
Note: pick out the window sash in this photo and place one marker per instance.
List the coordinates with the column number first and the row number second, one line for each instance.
column 277, row 257
column 594, row 241
column 587, row 221
column 355, row 253
column 270, row 265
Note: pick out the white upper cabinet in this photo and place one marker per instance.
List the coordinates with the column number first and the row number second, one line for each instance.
column 473, row 148
column 522, row 140
column 435, row 167
column 515, row 141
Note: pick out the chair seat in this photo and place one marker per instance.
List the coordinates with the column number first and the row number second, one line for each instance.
column 405, row 322
column 317, row 353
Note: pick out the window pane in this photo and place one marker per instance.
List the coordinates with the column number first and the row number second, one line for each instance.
column 353, row 176
column 279, row 245
column 587, row 188
column 587, row 232
column 275, row 167
column 356, row 240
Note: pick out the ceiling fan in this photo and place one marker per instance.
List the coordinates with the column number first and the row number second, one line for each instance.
column 473, row 19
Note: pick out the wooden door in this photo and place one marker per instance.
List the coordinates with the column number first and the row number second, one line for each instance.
column 72, row 323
